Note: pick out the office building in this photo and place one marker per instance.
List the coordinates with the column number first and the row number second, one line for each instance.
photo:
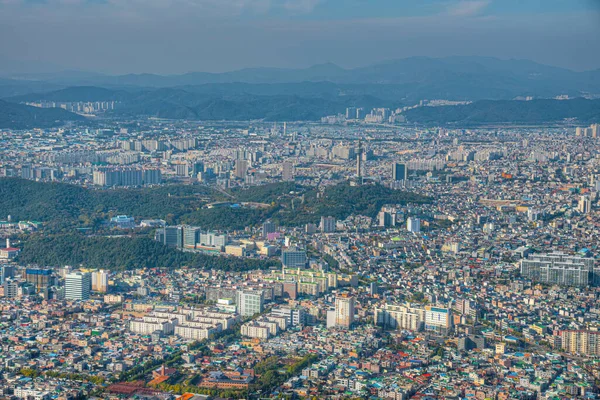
column 171, row 236
column 471, row 342
column 344, row 311
column 249, row 302
column 191, row 236
column 399, row 172
column 6, row 272
column 293, row 258
column 78, row 286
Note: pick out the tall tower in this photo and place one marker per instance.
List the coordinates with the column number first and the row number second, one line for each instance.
column 359, row 160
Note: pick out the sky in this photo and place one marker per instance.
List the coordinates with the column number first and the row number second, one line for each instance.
column 178, row 36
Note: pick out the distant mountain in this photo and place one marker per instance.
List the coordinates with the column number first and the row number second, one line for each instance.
column 508, row 112
column 75, row 93
column 415, row 78
column 16, row 87
column 186, row 105
column 313, row 100
column 19, row 116
column 393, row 93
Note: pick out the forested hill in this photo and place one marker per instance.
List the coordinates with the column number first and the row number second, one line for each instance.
column 124, row 254
column 21, row 116
column 64, row 207
column 508, row 112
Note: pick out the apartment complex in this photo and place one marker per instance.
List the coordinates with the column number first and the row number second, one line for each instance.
column 560, row 269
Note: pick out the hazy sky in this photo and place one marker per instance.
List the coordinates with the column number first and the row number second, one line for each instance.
column 175, row 36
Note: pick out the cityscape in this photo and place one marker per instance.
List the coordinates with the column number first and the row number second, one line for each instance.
column 418, row 227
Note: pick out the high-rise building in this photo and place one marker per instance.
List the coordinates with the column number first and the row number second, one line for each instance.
column 268, row 227
column 182, row 169
column 310, row 228
column 78, row 286
column 293, row 258
column 152, row 177
column 328, row 224
column 118, row 177
column 241, row 169
column 405, row 316
column 40, row 278
column 343, row 152
column 213, row 239
column 344, row 311
column 171, row 236
column 413, row 225
column 360, row 113
column 351, row 113
column 249, row 302
column 438, row 319
column 399, row 172
column 100, row 281
column 11, row 288
column 560, row 269
column 288, row 171
column 191, row 236
column 198, row 167
column 26, row 172
column 386, row 219
column 6, row 272
column 585, row 205
column 582, row 342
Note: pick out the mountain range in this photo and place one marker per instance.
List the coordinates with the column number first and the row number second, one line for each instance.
column 310, row 93
column 416, row 78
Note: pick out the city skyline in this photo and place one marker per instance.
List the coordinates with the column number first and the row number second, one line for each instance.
column 361, row 199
